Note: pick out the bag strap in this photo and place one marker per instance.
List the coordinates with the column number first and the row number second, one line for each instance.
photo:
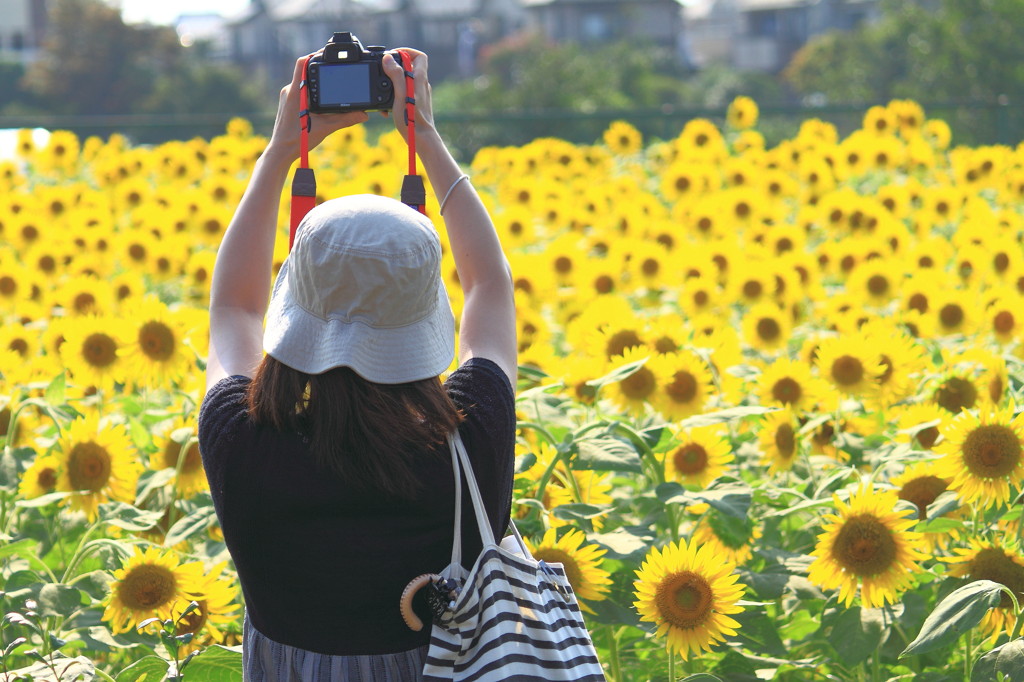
column 460, row 456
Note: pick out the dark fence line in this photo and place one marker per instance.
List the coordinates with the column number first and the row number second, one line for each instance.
column 972, row 123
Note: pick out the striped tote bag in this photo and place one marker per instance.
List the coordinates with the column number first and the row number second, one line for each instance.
column 514, row 618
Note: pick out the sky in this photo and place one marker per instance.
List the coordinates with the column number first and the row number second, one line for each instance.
column 164, row 12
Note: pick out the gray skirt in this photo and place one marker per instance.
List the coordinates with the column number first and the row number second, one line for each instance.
column 264, row 660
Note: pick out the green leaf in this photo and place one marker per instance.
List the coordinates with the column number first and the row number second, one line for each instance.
column 957, row 613
column 196, row 522
column 579, row 512
column 69, row 669
column 726, row 415
column 946, row 502
column 130, row 517
column 606, row 454
column 623, row 544
column 140, row 434
column 42, row 500
column 618, row 374
column 216, row 664
column 22, row 548
column 702, row 677
column 857, row 633
column 146, row 669
column 1006, row 660
column 758, row 633
column 56, row 390
column 731, row 499
column 56, row 599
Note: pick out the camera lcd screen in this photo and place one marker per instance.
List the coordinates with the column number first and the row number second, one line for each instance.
column 344, row 84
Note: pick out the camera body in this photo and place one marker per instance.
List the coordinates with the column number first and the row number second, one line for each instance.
column 348, row 77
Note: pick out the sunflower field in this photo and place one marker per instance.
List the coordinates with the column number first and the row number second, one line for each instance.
column 768, row 399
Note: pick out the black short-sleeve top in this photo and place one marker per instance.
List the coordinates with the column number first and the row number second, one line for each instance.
column 322, row 565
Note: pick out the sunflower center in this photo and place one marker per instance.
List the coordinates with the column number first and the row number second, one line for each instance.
column 650, row 267
column 847, row 370
column 690, row 459
column 683, row 388
column 995, row 389
column 993, row 564
column 8, row 285
column 922, row 491
column 956, row 394
column 157, row 341
column 787, row 391
column 604, row 284
column 927, row 437
column 864, row 546
column 563, row 265
column 785, row 440
column 878, row 285
column 918, row 302
column 553, row 555
column 89, row 466
column 47, row 478
column 99, row 350
column 992, row 451
column 1003, row 322
column 768, row 329
column 640, row 384
column 193, row 622
column 684, row 600
column 620, row 341
column 951, row 315
column 147, row 587
column 752, row 289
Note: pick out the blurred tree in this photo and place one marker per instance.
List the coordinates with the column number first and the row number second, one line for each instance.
column 947, row 50
column 92, row 63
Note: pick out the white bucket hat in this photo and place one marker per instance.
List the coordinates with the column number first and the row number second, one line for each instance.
column 362, row 288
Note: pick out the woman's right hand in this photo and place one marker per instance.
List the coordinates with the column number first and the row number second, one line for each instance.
column 394, row 70
column 287, row 126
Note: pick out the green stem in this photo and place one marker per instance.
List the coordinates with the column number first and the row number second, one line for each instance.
column 671, row 666
column 613, row 653
column 79, row 551
column 968, row 654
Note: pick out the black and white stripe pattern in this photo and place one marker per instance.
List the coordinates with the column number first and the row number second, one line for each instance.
column 515, row 619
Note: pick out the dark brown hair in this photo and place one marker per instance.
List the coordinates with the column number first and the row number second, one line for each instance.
column 364, row 431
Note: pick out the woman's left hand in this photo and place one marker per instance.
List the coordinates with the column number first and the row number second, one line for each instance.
column 287, row 127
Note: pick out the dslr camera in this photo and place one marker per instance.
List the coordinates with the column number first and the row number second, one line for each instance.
column 345, row 76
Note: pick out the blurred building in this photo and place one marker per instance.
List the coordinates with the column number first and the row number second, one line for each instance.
column 762, row 35
column 22, row 26
column 274, row 32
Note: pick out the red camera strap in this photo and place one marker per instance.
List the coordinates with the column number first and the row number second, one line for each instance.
column 304, row 182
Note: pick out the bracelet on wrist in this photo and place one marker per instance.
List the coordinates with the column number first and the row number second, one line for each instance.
column 448, row 194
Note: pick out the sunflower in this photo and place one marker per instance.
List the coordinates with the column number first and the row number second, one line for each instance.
column 850, row 365
column 689, row 594
column 983, row 454
column 902, row 358
column 686, row 386
column 40, row 478
column 640, row 388
column 700, row 456
column 920, row 484
column 622, row 139
column 157, row 354
column 778, row 440
column 582, row 563
column 999, row 562
column 766, row 327
column 920, row 425
column 93, row 349
column 150, row 584
column 191, row 477
column 867, row 543
column 216, row 596
column 97, row 464
column 742, row 113
column 789, row 383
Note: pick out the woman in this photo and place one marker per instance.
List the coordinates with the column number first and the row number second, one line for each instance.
column 326, row 457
